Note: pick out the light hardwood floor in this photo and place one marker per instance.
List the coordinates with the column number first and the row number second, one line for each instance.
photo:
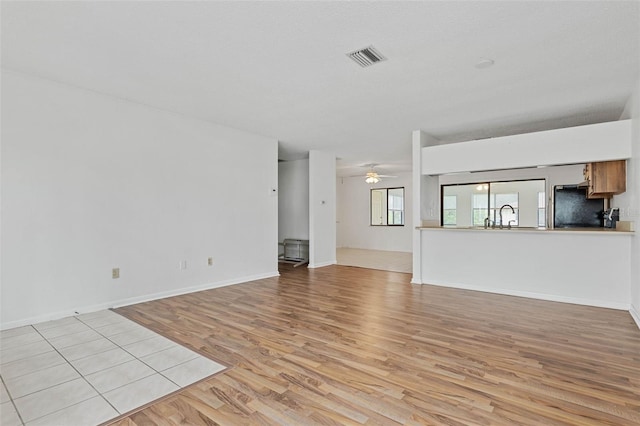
column 340, row 345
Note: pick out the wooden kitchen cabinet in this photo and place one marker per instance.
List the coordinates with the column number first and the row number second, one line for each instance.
column 606, row 179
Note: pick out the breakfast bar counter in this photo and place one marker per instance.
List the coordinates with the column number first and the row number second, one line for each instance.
column 576, row 265
column 594, row 231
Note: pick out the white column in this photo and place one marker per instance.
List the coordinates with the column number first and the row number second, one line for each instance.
column 425, row 198
column 322, row 209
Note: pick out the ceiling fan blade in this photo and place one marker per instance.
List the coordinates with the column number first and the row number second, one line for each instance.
column 377, row 175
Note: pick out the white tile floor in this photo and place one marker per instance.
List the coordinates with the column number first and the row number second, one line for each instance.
column 397, row 261
column 88, row 369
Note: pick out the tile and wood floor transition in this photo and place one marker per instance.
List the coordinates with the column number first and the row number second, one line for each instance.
column 351, row 346
column 88, row 369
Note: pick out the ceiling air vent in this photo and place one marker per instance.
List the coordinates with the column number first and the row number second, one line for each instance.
column 367, row 56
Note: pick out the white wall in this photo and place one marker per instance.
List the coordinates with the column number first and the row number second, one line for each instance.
column 629, row 202
column 354, row 229
column 565, row 266
column 293, row 200
column 580, row 144
column 91, row 182
column 322, row 209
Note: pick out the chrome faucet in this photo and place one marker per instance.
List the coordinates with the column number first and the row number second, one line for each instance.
column 512, row 211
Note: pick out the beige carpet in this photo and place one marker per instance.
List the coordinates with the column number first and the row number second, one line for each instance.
column 397, row 261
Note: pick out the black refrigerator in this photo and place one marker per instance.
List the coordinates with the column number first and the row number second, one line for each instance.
column 572, row 208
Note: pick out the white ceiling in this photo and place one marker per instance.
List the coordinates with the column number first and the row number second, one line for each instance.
column 279, row 68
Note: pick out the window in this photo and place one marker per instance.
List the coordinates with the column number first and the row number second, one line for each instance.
column 387, row 207
column 542, row 209
column 480, row 208
column 472, row 204
column 449, row 210
column 509, row 214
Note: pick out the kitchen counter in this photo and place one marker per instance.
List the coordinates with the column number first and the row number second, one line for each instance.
column 588, row 266
column 515, row 229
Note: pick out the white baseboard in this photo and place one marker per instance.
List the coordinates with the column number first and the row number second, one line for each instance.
column 369, row 248
column 635, row 314
column 539, row 296
column 322, row 264
column 209, row 286
column 52, row 316
column 133, row 300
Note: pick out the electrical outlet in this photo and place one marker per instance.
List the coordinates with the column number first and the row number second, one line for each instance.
column 183, row 264
column 115, row 273
column 210, row 261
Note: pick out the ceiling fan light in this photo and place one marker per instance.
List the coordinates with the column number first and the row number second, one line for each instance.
column 372, row 179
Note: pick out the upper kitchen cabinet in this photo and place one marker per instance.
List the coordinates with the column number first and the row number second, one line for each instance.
column 606, row 178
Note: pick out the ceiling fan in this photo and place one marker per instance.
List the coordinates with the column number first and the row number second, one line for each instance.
column 372, row 176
